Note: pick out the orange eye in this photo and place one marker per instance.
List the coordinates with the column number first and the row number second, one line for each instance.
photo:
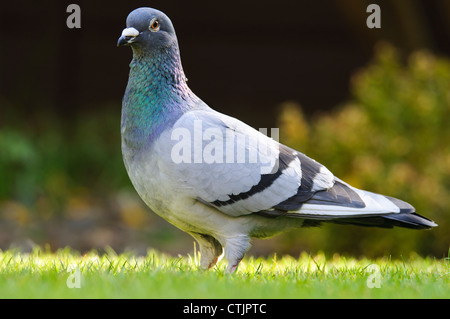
column 154, row 25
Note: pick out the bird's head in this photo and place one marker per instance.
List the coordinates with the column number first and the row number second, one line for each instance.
column 148, row 30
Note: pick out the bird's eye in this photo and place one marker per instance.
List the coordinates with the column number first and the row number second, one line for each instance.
column 154, row 25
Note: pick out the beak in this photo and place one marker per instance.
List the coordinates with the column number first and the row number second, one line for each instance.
column 128, row 37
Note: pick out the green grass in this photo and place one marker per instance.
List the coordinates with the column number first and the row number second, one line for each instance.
column 43, row 274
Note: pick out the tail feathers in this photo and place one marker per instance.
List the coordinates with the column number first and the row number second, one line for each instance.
column 403, row 206
column 340, row 194
column 410, row 220
column 344, row 204
column 405, row 220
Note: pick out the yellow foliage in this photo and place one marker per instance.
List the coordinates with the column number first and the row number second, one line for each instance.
column 132, row 211
column 16, row 212
column 293, row 123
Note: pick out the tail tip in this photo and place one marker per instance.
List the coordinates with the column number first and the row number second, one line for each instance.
column 410, row 220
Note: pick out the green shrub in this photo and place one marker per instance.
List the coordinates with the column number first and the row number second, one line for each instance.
column 392, row 137
column 49, row 165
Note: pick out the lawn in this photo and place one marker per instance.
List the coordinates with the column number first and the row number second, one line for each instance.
column 69, row 274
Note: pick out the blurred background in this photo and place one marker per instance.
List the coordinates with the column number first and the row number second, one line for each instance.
column 373, row 105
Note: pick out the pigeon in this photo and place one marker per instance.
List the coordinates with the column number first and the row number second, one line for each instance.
column 215, row 177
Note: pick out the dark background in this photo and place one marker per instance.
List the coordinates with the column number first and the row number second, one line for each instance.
column 243, row 58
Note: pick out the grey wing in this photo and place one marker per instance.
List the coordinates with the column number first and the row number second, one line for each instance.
column 261, row 175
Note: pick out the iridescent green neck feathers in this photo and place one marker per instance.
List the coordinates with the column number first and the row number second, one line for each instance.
column 156, row 96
